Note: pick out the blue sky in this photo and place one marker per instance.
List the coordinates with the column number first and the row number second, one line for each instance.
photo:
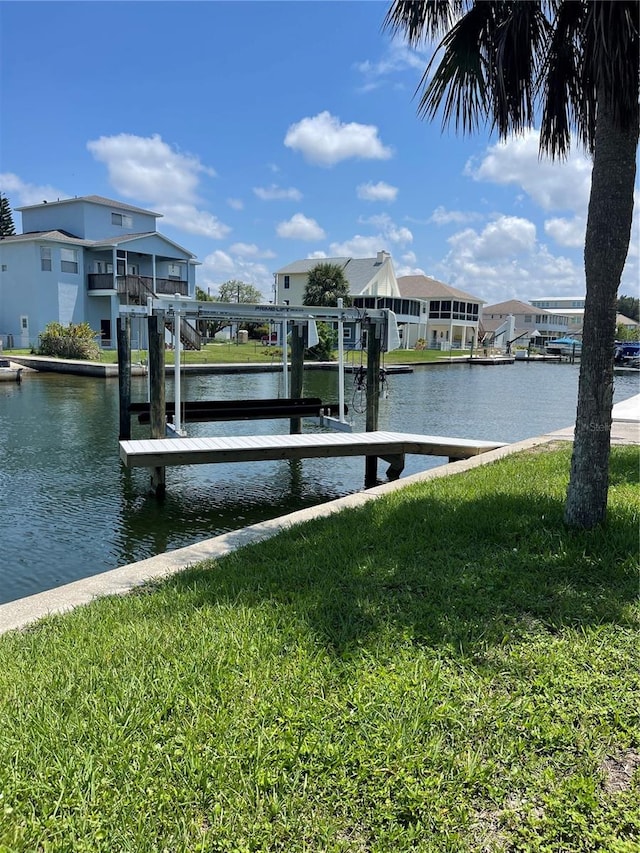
column 265, row 132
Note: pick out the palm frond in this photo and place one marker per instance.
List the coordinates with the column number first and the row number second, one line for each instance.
column 423, row 20
column 568, row 101
column 611, row 60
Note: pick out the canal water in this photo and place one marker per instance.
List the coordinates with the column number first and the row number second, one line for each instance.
column 68, row 508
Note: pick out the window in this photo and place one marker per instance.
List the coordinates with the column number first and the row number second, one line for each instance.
column 287, row 282
column 347, row 333
column 527, row 318
column 4, row 267
column 45, row 258
column 173, row 271
column 69, row 260
column 24, row 323
column 122, row 219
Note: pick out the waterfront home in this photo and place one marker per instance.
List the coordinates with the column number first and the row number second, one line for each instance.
column 427, row 311
column 518, row 324
column 78, row 259
column 448, row 318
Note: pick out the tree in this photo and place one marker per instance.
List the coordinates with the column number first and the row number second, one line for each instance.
column 238, row 291
column 629, row 306
column 577, row 60
column 326, row 284
column 7, row 228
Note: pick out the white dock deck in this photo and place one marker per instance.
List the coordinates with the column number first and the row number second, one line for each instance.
column 163, row 452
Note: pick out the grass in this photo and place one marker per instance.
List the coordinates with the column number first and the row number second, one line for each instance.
column 445, row 669
column 228, row 352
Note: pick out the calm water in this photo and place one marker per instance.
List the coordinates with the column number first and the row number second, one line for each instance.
column 68, row 509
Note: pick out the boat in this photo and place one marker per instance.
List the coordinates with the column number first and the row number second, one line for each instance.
column 627, row 354
column 564, row 346
column 8, row 373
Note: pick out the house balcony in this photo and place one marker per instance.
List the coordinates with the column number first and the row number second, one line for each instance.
column 137, row 287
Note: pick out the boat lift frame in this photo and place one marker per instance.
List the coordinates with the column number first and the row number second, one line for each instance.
column 382, row 336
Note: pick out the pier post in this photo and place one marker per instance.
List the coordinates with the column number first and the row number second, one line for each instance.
column 374, row 345
column 157, row 394
column 297, row 371
column 123, row 326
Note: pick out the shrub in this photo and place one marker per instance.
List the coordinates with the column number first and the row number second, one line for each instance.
column 72, row 341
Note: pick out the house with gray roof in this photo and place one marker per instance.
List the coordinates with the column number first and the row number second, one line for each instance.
column 530, row 324
column 78, row 259
column 365, row 276
column 448, row 317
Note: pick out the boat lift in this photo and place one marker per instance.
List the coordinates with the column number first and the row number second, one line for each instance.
column 381, row 335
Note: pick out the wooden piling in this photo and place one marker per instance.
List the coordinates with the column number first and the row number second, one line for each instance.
column 123, row 326
column 374, row 346
column 297, row 371
column 157, row 394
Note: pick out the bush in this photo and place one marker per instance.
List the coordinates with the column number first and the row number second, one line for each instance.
column 72, row 341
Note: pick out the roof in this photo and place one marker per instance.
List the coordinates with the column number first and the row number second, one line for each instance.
column 513, row 306
column 425, row 287
column 65, row 237
column 307, row 264
column 57, row 236
column 93, row 199
column 357, row 271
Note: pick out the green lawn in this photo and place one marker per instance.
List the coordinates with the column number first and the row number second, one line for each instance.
column 253, row 352
column 445, row 669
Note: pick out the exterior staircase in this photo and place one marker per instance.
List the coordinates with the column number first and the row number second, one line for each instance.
column 138, row 291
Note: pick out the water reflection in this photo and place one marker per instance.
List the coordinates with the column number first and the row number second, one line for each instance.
column 69, row 509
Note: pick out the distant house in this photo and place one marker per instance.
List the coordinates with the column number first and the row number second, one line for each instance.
column 78, row 260
column 570, row 307
column 519, row 323
column 365, row 276
column 448, row 318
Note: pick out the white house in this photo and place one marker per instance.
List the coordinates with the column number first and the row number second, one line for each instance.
column 78, row 260
column 365, row 276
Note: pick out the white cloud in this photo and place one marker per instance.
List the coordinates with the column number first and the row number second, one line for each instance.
column 390, row 231
column 505, row 261
column 554, row 185
column 567, row 232
column 325, row 141
column 300, row 227
column 388, row 236
column 219, row 267
column 505, row 237
column 377, row 192
column 442, row 216
column 275, row 193
column 398, row 58
column 250, row 250
column 235, row 203
column 148, row 168
column 358, row 247
column 22, row 194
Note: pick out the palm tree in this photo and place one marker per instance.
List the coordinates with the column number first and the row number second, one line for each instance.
column 325, row 285
column 577, row 61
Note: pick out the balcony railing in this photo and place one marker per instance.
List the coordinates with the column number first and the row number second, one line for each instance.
column 137, row 286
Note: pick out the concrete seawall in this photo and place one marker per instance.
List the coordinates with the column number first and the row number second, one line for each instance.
column 18, row 614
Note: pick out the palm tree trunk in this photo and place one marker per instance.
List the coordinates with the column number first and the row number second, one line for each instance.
column 606, row 246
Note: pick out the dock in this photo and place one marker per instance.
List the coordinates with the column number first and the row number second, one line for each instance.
column 391, row 446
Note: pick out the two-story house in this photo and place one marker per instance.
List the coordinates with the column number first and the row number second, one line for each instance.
column 529, row 324
column 78, row 260
column 448, row 317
